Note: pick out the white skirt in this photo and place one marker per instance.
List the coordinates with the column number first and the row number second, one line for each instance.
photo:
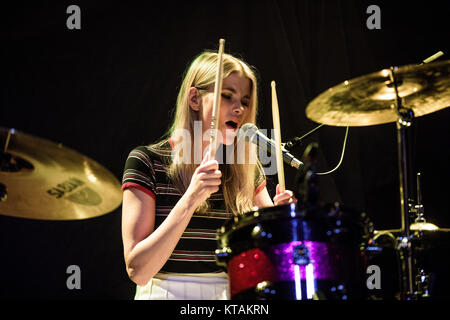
column 202, row 286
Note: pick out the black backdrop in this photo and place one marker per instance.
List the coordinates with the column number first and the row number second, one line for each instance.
column 112, row 85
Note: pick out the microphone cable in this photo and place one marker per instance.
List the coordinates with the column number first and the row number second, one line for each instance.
column 340, row 160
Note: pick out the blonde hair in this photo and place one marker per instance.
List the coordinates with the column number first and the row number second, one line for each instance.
column 238, row 182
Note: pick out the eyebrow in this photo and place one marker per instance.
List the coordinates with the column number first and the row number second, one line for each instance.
column 234, row 91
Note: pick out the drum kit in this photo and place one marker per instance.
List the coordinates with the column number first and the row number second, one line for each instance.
column 298, row 251
column 309, row 250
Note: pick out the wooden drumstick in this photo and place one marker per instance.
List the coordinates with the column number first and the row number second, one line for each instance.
column 277, row 132
column 216, row 104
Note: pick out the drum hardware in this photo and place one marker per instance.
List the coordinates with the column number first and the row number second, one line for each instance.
column 370, row 99
column 302, row 251
column 280, row 255
column 405, row 118
column 276, row 266
column 422, row 275
column 307, row 180
column 265, row 290
column 296, row 141
column 435, row 56
column 48, row 181
column 382, row 251
column 382, row 97
column 422, row 284
column 417, row 210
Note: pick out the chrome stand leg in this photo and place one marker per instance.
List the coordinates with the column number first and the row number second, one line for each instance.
column 405, row 118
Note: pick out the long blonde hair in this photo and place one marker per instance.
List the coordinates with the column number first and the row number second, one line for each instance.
column 238, row 182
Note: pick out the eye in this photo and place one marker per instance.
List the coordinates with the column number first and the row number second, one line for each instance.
column 226, row 96
column 245, row 103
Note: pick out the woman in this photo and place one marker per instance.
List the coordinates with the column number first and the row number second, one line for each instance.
column 173, row 205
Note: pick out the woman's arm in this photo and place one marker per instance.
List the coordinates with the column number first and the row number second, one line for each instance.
column 146, row 250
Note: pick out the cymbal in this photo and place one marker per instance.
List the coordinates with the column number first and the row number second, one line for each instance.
column 420, row 226
column 370, row 99
column 47, row 181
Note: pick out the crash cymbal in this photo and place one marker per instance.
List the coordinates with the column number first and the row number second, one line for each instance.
column 45, row 180
column 370, row 99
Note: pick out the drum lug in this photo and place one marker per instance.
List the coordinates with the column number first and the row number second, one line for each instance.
column 223, row 255
column 258, row 233
column 265, row 290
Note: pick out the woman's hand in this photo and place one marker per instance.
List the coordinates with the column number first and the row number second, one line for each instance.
column 285, row 197
column 204, row 181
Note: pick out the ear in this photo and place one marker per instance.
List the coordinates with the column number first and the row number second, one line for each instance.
column 194, row 99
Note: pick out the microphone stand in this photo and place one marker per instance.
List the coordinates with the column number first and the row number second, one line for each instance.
column 296, row 140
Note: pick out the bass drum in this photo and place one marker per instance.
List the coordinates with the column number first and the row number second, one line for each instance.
column 283, row 252
column 382, row 253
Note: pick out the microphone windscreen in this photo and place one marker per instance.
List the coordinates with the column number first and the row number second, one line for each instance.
column 247, row 131
column 248, row 126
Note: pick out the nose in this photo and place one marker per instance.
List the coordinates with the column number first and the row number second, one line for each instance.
column 238, row 109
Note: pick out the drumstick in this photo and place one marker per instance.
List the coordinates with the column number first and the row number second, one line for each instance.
column 216, row 104
column 277, row 132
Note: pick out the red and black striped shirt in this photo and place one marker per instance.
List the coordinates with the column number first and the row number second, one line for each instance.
column 194, row 253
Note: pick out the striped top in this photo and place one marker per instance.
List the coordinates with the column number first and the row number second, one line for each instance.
column 194, row 253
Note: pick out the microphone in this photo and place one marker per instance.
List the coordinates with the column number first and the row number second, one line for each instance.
column 252, row 133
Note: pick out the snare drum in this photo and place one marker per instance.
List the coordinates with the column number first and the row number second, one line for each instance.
column 283, row 252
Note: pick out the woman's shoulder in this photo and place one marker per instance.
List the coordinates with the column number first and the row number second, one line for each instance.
column 158, row 151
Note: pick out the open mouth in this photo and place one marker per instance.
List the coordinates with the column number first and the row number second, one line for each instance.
column 231, row 124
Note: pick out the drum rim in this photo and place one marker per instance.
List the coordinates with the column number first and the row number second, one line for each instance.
column 261, row 215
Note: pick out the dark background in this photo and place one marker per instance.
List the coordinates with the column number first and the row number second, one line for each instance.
column 112, row 85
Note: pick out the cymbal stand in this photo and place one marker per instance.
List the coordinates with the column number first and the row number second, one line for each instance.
column 405, row 118
column 418, row 209
column 422, row 278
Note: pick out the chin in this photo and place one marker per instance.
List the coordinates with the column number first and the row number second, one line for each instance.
column 229, row 138
column 228, row 141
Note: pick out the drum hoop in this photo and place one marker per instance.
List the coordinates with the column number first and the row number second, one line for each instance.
column 260, row 215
